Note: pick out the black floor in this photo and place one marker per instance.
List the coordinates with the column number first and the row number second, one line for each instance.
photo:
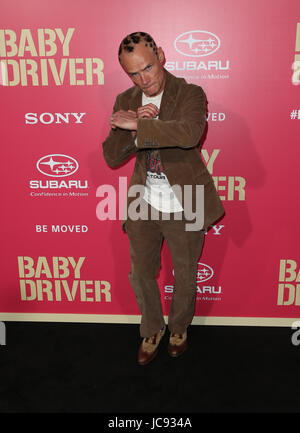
column 92, row 368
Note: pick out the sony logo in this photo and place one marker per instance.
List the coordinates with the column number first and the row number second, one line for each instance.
column 48, row 118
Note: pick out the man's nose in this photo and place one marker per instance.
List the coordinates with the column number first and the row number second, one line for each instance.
column 144, row 79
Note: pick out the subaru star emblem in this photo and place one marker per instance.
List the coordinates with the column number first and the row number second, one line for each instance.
column 57, row 165
column 197, row 43
column 204, row 272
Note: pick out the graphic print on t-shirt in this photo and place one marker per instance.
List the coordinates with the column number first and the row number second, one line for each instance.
column 153, row 162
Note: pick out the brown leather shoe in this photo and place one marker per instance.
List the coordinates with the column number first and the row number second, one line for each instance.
column 149, row 347
column 177, row 344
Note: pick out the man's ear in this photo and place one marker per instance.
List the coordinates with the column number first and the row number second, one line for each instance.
column 161, row 55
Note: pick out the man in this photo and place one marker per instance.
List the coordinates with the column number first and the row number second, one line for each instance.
column 161, row 120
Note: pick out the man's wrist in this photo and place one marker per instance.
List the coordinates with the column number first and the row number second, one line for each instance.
column 134, row 129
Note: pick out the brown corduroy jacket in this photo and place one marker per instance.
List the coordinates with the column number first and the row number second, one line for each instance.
column 176, row 133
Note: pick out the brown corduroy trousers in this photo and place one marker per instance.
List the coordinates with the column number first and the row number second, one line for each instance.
column 145, row 241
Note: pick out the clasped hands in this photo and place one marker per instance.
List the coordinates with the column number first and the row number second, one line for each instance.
column 128, row 119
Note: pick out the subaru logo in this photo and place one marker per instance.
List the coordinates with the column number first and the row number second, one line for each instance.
column 57, row 165
column 197, row 43
column 204, row 272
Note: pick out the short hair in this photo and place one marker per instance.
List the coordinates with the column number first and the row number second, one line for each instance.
column 129, row 42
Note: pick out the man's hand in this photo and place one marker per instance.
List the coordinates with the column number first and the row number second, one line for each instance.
column 128, row 119
column 124, row 120
column 149, row 110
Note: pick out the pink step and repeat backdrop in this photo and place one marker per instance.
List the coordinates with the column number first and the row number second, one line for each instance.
column 59, row 79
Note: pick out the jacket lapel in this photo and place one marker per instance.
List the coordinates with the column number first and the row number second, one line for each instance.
column 168, row 100
column 136, row 99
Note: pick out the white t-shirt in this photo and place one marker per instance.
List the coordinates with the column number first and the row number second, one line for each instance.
column 158, row 191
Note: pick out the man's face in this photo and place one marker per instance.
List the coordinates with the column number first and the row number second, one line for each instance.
column 145, row 68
